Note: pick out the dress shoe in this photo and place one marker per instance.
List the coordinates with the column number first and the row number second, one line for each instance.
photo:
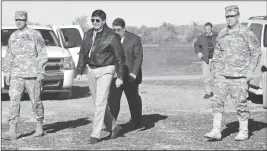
column 93, row 140
column 207, row 96
column 115, row 132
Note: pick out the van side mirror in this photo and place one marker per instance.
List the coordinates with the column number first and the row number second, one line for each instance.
column 69, row 44
column 264, row 68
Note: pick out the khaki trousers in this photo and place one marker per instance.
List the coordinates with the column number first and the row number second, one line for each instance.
column 99, row 84
column 207, row 77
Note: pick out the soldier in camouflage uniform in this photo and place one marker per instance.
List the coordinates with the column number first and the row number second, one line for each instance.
column 24, row 64
column 235, row 58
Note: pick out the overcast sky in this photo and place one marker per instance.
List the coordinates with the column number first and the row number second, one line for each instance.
column 135, row 13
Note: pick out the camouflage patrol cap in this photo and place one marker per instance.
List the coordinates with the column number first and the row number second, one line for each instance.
column 20, row 15
column 232, row 10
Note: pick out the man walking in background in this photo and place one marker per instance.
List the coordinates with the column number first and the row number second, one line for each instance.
column 236, row 56
column 24, row 67
column 204, row 47
column 101, row 50
column 133, row 75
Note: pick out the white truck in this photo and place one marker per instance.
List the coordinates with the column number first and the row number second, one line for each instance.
column 258, row 85
column 60, row 68
column 73, row 34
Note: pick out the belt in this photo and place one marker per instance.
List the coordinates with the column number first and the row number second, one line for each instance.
column 228, row 77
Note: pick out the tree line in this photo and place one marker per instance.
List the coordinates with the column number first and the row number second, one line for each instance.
column 164, row 34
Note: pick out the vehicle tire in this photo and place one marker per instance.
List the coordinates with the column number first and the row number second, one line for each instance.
column 4, row 97
column 257, row 99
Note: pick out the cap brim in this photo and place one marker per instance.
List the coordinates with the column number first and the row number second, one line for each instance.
column 232, row 14
column 20, row 17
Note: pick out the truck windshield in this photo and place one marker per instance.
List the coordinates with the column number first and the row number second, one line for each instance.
column 257, row 29
column 48, row 36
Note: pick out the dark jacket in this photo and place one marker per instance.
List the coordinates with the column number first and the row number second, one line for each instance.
column 107, row 50
column 133, row 50
column 201, row 45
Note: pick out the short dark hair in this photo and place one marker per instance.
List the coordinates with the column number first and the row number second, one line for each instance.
column 119, row 22
column 99, row 13
column 208, row 24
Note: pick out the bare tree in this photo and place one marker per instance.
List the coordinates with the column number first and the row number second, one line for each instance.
column 83, row 22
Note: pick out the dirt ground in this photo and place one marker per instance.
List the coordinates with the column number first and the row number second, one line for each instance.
column 175, row 117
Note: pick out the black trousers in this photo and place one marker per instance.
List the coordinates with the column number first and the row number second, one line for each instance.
column 133, row 98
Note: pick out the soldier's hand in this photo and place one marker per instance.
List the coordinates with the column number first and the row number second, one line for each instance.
column 40, row 77
column 79, row 78
column 119, row 82
column 210, row 62
column 200, row 55
column 7, row 80
column 249, row 75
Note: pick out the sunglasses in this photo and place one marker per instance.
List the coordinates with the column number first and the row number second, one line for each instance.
column 97, row 20
column 230, row 16
column 20, row 19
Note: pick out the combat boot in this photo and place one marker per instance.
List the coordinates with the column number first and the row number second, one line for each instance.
column 215, row 133
column 12, row 133
column 39, row 129
column 243, row 130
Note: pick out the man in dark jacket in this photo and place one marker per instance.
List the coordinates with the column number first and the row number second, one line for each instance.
column 204, row 47
column 101, row 49
column 133, row 50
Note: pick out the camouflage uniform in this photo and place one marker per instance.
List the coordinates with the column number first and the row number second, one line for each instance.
column 236, row 52
column 235, row 57
column 24, row 63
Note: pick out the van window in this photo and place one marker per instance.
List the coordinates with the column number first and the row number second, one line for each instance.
column 48, row 36
column 257, row 29
column 5, row 34
column 72, row 34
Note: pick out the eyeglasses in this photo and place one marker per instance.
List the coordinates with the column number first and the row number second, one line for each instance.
column 117, row 30
column 20, row 19
column 97, row 20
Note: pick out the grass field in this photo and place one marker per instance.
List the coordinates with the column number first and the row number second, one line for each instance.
column 172, row 61
column 175, row 117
